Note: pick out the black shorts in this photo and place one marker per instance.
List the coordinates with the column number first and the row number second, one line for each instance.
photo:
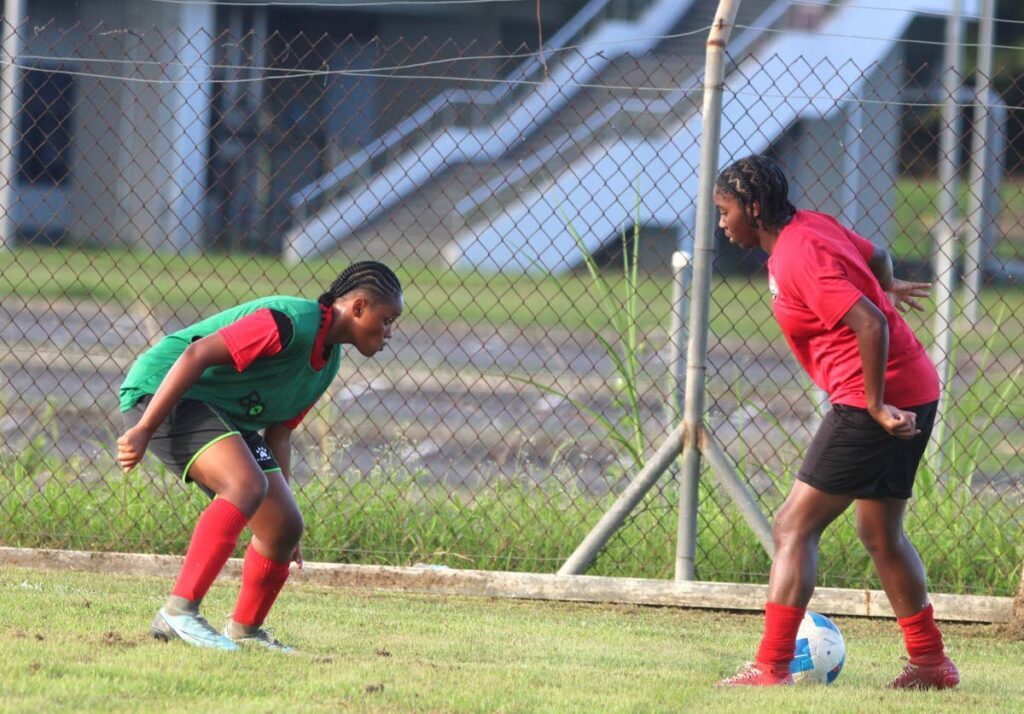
column 851, row 455
column 190, row 429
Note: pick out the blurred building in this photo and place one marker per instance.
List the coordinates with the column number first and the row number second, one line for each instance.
column 184, row 162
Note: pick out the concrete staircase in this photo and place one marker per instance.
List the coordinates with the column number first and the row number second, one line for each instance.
column 677, row 63
column 424, row 222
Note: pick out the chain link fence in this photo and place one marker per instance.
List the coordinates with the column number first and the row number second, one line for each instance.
column 153, row 178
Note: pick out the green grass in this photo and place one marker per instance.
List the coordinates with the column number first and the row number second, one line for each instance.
column 75, row 641
column 198, row 285
column 203, row 283
column 916, row 211
column 969, row 544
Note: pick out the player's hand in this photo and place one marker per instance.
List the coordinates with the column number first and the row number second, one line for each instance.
column 297, row 556
column 898, row 422
column 903, row 292
column 131, row 446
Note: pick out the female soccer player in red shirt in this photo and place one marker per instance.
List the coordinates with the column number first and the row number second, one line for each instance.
column 828, row 288
column 200, row 399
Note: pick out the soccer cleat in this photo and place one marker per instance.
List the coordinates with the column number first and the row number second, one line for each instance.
column 260, row 638
column 192, row 629
column 753, row 674
column 919, row 676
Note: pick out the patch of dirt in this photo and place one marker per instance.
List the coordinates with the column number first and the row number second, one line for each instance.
column 115, row 639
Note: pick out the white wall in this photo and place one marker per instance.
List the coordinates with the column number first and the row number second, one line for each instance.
column 139, row 150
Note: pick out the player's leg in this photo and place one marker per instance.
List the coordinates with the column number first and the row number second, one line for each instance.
column 880, row 515
column 195, row 442
column 880, row 527
column 796, row 534
column 277, row 528
column 818, row 497
column 225, row 468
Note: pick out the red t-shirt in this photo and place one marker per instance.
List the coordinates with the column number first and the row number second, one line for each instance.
column 816, row 273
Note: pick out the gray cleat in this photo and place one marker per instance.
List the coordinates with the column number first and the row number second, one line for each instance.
column 192, row 629
column 259, row 638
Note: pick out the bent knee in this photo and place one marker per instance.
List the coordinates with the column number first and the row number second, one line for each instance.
column 248, row 491
column 880, row 540
column 790, row 533
column 292, row 530
column 286, row 535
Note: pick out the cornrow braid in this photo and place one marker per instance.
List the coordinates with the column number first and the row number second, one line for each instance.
column 758, row 179
column 369, row 275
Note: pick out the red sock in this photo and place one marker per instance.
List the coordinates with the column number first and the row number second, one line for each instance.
column 779, row 642
column 262, row 580
column 923, row 639
column 213, row 540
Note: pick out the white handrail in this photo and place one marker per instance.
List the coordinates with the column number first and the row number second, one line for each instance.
column 607, row 113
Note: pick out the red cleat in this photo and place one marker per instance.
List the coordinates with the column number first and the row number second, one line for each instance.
column 754, row 674
column 920, row 676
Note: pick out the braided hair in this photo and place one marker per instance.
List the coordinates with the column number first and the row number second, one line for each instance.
column 369, row 275
column 758, row 179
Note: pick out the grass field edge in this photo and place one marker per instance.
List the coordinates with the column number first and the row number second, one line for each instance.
column 528, row 586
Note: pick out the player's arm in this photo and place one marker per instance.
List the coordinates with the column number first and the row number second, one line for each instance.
column 872, row 331
column 260, row 334
column 279, row 439
column 903, row 292
column 185, row 372
column 880, row 263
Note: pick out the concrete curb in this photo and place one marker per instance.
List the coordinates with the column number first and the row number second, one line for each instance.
column 530, row 586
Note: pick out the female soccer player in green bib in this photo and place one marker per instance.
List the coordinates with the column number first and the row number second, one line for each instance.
column 200, row 399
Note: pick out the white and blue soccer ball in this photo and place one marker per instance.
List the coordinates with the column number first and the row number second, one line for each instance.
column 820, row 651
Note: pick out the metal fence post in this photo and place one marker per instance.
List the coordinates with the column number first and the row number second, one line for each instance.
column 980, row 163
column 944, row 261
column 599, row 535
column 682, row 273
column 14, row 16
column 703, row 253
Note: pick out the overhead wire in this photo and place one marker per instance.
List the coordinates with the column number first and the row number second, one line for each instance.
column 314, row 3
column 285, row 72
column 357, row 73
column 493, row 81
column 392, row 71
column 298, row 72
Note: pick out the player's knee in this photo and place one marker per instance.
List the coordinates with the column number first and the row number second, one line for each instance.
column 249, row 491
column 785, row 532
column 878, row 540
column 291, row 531
column 793, row 534
column 780, row 533
column 285, row 536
